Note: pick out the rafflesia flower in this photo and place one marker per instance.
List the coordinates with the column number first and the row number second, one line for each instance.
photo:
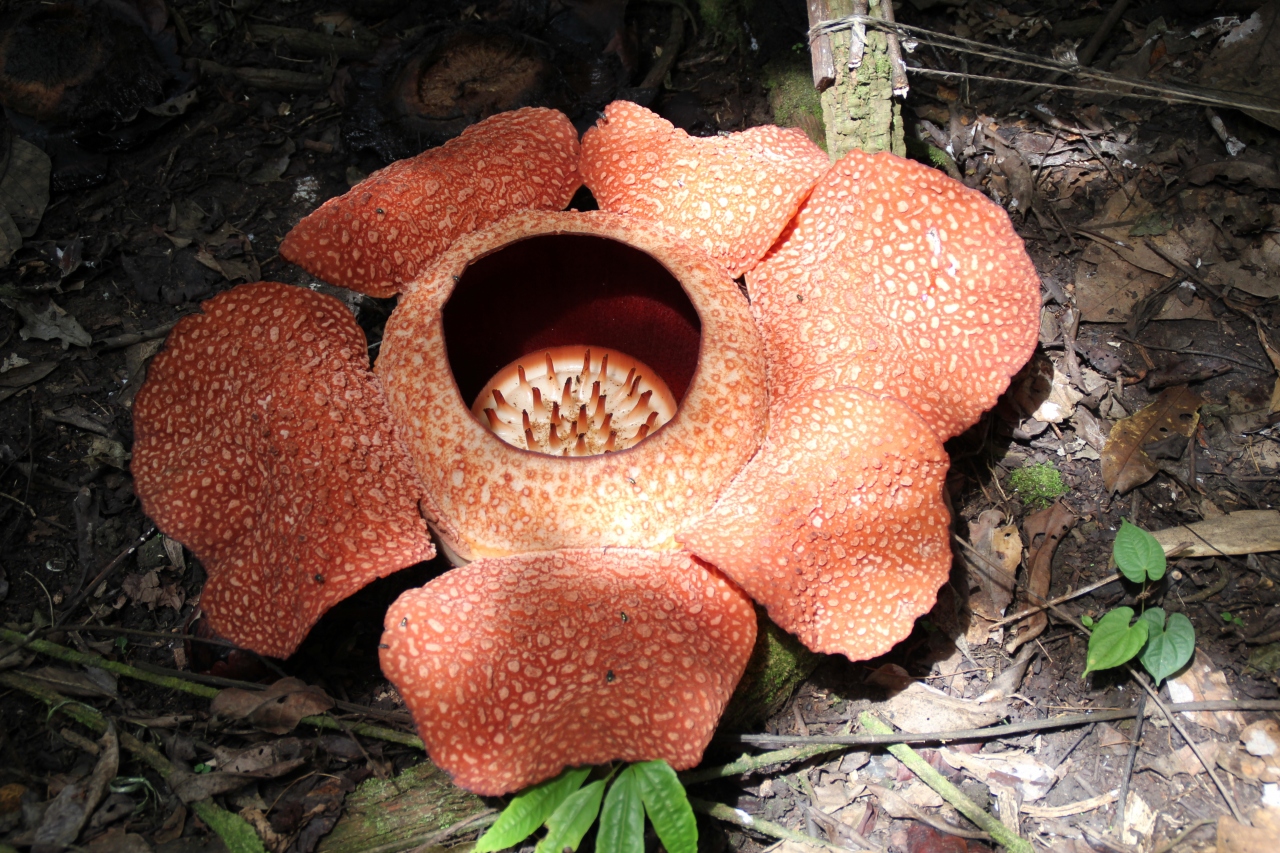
column 620, row 443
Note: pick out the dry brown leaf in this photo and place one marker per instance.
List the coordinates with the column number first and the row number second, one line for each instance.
column 1125, row 465
column 1234, row 837
column 276, row 709
column 69, row 811
column 1203, row 682
column 1249, row 531
column 1044, row 530
column 76, row 683
column 923, row 709
column 990, row 591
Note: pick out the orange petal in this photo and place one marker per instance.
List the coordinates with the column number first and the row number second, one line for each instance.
column 263, row 444
column 508, row 501
column 728, row 195
column 898, row 280
column 377, row 237
column 837, row 526
column 517, row 667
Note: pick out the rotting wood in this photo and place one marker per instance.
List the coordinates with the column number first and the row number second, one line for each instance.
column 859, row 109
column 394, row 814
column 824, row 63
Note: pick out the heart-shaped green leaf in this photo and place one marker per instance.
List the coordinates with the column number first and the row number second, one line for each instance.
column 1138, row 555
column 1114, row 640
column 1168, row 651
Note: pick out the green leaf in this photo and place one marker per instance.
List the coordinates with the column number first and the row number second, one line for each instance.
column 622, row 818
column 1114, row 640
column 529, row 810
column 1168, row 651
column 1138, row 554
column 667, row 806
column 1154, row 615
column 1087, row 620
column 571, row 820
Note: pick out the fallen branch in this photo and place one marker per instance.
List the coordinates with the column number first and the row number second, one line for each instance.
column 738, row 817
column 174, row 682
column 1102, row 715
column 1000, row 833
column 238, row 836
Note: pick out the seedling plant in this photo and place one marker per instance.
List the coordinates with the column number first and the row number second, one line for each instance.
column 1162, row 643
column 568, row 808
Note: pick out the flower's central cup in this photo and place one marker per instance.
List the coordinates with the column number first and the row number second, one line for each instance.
column 641, row 443
column 573, row 401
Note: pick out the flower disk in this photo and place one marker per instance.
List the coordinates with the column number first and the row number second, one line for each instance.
column 378, row 236
column 516, row 667
column 898, row 280
column 263, row 444
column 837, row 526
column 728, row 195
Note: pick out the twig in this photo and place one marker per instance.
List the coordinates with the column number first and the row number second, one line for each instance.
column 670, row 50
column 1177, row 725
column 208, row 811
column 1030, row 611
column 1000, row 833
column 750, row 763
column 1063, row 721
column 174, row 682
column 738, row 817
column 1128, row 765
column 1090, row 50
column 103, row 575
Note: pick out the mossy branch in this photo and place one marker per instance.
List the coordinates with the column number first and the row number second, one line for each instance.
column 63, row 653
column 1002, row 835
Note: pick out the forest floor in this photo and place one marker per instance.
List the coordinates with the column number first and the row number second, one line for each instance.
column 1159, row 253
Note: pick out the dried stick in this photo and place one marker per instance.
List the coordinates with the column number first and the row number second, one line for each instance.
column 1063, row 721
column 738, row 817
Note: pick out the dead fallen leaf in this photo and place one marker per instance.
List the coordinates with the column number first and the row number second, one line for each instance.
column 1125, row 465
column 1249, row 531
column 1031, row 778
column 119, row 840
column 922, row 709
column 1139, row 820
column 1202, row 682
column 142, row 588
column 1247, row 60
column 66, row 815
column 1234, row 837
column 1044, row 531
column 76, row 683
column 925, row 839
column 276, row 709
column 49, row 323
column 991, row 590
column 1183, row 760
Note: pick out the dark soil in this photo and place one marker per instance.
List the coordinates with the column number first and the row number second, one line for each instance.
column 152, row 214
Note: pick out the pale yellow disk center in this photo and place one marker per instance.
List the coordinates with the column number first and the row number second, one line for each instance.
column 574, row 401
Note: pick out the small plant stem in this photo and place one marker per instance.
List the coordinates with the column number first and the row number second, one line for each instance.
column 738, row 817
column 173, row 682
column 89, row 717
column 1000, row 833
column 749, row 763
